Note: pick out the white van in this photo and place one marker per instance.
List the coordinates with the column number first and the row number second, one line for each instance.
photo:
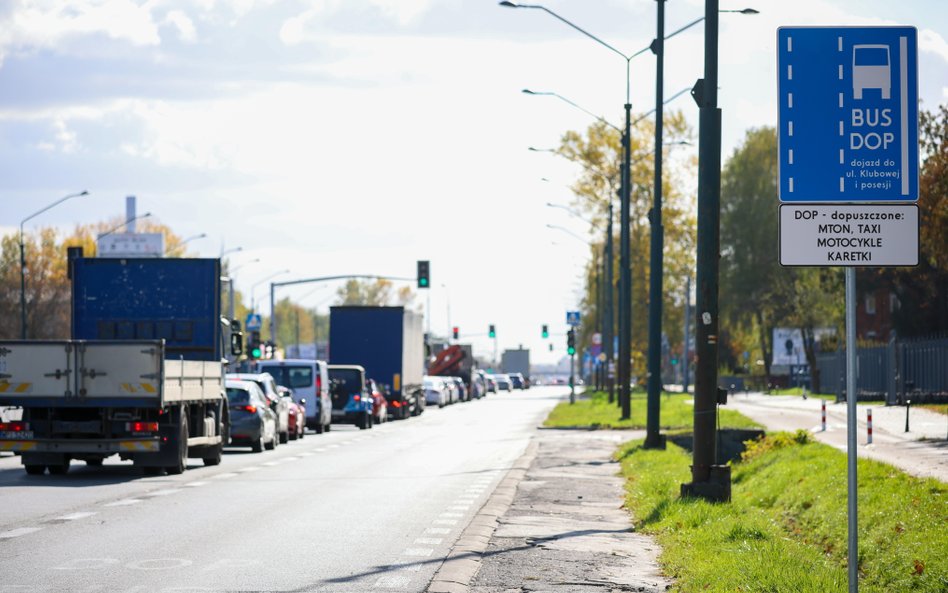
column 309, row 381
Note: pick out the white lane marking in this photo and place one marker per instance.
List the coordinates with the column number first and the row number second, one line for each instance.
column 789, row 100
column 789, row 44
column 789, row 71
column 840, row 71
column 74, row 516
column 291, row 458
column 159, row 564
column 842, row 185
column 122, row 503
column 419, row 552
column 839, row 42
column 392, row 581
column 165, row 492
column 444, row 522
column 224, row 476
column 841, row 100
column 437, row 531
column 333, row 446
column 195, row 484
column 271, row 463
column 18, row 532
column 459, row 507
column 252, row 468
column 842, row 157
column 451, row 515
column 306, row 454
column 791, row 184
column 429, row 541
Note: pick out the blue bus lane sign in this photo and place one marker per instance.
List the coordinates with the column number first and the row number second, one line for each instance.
column 848, row 114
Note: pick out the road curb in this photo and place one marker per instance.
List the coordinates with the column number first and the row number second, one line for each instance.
column 464, row 560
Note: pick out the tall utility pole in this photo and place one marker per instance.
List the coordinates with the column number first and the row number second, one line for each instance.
column 654, row 440
column 610, row 308
column 708, row 480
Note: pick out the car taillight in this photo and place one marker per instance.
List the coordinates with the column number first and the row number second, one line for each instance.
column 141, row 426
column 251, row 409
column 397, row 404
column 319, row 384
column 357, row 397
column 14, row 426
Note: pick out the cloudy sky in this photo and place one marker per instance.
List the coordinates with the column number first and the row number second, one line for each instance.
column 358, row 136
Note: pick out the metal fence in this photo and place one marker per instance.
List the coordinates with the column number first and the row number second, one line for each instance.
column 902, row 369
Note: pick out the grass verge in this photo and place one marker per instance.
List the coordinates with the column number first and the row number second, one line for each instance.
column 939, row 408
column 785, row 529
column 595, row 411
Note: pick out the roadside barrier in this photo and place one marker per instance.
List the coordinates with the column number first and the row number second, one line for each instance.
column 869, row 423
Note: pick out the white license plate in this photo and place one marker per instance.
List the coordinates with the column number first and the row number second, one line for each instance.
column 16, row 435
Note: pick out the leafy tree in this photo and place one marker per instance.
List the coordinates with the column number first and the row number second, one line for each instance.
column 599, row 152
column 378, row 292
column 922, row 291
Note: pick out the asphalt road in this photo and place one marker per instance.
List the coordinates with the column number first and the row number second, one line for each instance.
column 351, row 510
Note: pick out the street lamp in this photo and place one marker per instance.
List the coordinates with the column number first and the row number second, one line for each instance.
column 253, row 300
column 653, row 439
column 231, row 250
column 186, row 241
column 117, row 227
column 253, row 261
column 23, row 258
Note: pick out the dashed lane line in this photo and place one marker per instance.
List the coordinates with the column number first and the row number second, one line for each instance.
column 74, row 516
column 195, row 484
column 429, row 541
column 437, row 531
column 445, row 522
column 123, row 503
column 392, row 581
column 18, row 532
column 165, row 492
column 418, row 552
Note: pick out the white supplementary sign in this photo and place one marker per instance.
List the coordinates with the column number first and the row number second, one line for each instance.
column 131, row 245
column 847, row 235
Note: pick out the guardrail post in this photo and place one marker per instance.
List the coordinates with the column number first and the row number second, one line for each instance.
column 869, row 425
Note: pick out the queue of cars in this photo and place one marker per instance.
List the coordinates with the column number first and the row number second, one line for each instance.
column 283, row 398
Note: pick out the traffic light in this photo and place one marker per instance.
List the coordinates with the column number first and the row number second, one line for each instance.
column 255, row 348
column 491, row 332
column 455, row 332
column 545, row 332
column 551, row 347
column 424, row 271
column 571, row 342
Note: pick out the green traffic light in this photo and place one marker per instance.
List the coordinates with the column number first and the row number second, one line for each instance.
column 423, row 282
column 571, row 351
column 255, row 353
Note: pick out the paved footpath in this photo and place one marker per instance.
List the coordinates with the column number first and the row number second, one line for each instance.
column 556, row 524
column 923, row 451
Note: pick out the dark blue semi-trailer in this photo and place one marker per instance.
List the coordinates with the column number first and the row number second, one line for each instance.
column 389, row 343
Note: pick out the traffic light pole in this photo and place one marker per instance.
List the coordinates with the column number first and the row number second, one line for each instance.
column 653, row 439
column 610, row 308
column 709, row 481
column 625, row 275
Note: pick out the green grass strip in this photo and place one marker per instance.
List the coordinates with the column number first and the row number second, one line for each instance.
column 785, row 529
column 593, row 410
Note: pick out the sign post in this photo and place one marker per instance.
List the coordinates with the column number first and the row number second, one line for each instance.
column 848, row 163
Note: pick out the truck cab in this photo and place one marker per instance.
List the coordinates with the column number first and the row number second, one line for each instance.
column 351, row 400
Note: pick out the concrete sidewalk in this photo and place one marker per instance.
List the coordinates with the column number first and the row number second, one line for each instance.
column 923, row 451
column 556, row 524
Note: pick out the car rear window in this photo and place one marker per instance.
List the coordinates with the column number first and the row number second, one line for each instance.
column 345, row 381
column 294, row 377
column 235, row 395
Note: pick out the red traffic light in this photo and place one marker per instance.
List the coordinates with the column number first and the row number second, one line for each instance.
column 455, row 332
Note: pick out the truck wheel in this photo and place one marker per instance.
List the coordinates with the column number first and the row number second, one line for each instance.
column 59, row 469
column 215, row 454
column 35, row 470
column 182, row 461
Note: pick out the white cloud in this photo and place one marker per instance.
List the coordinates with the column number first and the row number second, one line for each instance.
column 46, row 23
column 183, row 24
column 931, row 42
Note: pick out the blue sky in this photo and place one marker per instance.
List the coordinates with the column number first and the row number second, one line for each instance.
column 334, row 137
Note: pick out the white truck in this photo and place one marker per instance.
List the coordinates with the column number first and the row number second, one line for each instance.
column 143, row 377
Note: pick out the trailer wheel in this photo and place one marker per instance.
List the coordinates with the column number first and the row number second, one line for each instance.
column 152, row 470
column 182, row 461
column 59, row 469
column 215, row 454
column 35, row 470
